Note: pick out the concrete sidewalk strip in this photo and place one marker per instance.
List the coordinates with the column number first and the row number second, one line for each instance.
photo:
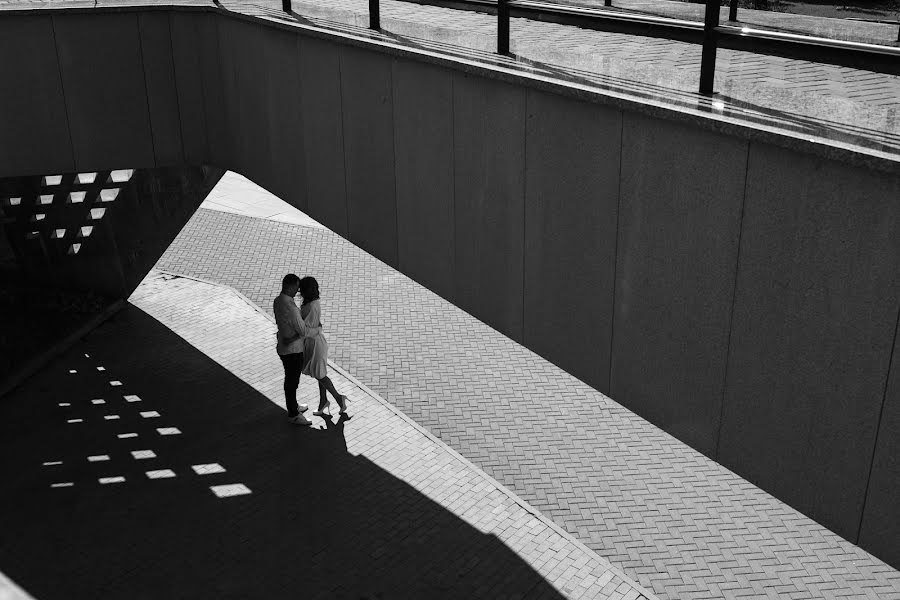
column 228, row 328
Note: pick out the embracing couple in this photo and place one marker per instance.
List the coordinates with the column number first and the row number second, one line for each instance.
column 302, row 347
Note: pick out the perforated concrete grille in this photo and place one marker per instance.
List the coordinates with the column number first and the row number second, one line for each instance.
column 58, row 214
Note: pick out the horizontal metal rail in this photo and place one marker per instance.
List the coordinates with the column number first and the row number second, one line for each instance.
column 871, row 57
column 857, row 55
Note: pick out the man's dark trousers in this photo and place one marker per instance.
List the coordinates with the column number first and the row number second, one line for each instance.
column 293, row 368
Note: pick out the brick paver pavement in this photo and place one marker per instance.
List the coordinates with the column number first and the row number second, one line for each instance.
column 675, row 521
column 151, row 462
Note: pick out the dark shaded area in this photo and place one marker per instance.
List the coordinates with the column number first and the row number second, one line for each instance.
column 70, row 249
column 319, row 523
column 33, row 317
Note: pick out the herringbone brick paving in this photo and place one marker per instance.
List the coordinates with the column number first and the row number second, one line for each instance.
column 372, row 507
column 670, row 518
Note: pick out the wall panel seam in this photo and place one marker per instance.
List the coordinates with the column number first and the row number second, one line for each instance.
column 137, row 18
column 528, row 100
column 203, row 94
column 887, row 380
column 62, row 87
column 394, row 160
column 452, row 287
column 612, row 324
column 175, row 83
column 219, row 105
column 344, row 141
column 737, row 270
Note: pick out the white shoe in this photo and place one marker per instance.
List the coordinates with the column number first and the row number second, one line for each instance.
column 299, row 420
column 303, row 407
column 323, row 413
column 343, row 404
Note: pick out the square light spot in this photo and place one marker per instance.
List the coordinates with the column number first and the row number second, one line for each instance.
column 86, row 177
column 72, row 371
column 97, row 213
column 234, row 489
column 45, row 199
column 62, row 485
column 98, row 401
column 65, row 404
column 123, row 436
column 121, row 176
column 116, row 479
column 111, row 417
column 98, row 458
column 142, row 454
column 115, row 383
column 52, row 463
column 75, row 421
column 149, row 414
column 58, row 234
column 86, row 231
column 52, row 180
column 161, row 474
column 38, row 217
column 76, row 197
column 168, row 431
column 74, row 248
column 109, row 195
column 132, row 398
column 208, row 469
column 12, row 201
column 101, row 368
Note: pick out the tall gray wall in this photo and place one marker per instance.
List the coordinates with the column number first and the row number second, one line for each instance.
column 740, row 292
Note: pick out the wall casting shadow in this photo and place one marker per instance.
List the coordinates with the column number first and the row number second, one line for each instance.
column 319, row 522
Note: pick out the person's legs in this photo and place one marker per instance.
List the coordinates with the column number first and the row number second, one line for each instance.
column 323, row 398
column 325, row 383
column 293, row 365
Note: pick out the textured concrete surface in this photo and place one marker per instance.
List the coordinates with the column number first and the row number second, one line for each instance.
column 676, row 522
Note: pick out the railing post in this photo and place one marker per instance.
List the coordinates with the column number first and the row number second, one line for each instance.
column 710, row 40
column 286, row 6
column 732, row 11
column 374, row 15
column 503, row 27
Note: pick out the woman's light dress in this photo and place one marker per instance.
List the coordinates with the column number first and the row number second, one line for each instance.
column 315, row 349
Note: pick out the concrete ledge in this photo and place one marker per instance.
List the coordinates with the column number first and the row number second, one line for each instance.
column 715, row 113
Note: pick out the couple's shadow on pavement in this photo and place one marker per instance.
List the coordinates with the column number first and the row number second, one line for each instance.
column 319, row 522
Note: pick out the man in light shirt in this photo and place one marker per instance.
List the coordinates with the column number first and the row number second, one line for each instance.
column 291, row 331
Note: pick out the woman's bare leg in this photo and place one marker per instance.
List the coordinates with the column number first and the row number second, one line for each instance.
column 325, row 383
column 323, row 398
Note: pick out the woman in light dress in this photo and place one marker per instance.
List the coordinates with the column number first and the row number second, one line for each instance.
column 315, row 349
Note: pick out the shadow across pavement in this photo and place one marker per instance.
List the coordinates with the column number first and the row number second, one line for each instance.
column 295, row 515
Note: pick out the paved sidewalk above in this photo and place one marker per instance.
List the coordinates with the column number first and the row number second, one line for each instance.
column 798, row 100
column 673, row 520
column 371, row 507
column 846, row 106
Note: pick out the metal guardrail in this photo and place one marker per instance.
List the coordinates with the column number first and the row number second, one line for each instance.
column 710, row 34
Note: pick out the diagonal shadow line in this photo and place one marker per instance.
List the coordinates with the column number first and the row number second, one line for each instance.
column 319, row 523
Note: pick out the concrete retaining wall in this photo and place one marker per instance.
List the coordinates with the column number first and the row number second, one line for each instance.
column 740, row 295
